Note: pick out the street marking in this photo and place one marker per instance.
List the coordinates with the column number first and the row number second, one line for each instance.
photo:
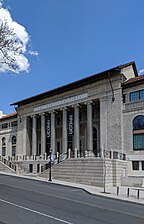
column 39, row 213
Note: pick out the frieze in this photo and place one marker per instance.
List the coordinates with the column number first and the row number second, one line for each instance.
column 61, row 102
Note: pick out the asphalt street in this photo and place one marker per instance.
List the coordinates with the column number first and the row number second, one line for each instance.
column 24, row 201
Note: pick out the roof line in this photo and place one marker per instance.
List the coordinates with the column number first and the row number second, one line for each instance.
column 14, row 114
column 74, row 84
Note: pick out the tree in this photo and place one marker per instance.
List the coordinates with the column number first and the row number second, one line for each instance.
column 11, row 49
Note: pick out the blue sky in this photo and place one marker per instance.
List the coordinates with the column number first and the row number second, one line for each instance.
column 74, row 39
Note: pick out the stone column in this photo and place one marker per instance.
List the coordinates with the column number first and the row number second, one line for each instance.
column 20, row 138
column 140, row 165
column 53, row 144
column 64, row 132
column 34, row 135
column 24, row 135
column 43, row 134
column 103, row 123
column 76, row 128
column 89, row 128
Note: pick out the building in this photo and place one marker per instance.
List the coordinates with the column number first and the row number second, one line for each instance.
column 8, row 135
column 98, row 114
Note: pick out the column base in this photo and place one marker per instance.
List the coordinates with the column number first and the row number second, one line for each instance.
column 89, row 153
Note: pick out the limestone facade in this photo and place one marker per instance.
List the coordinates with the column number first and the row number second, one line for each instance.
column 91, row 116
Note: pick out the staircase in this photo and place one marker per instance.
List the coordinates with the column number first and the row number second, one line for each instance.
column 80, row 170
column 6, row 169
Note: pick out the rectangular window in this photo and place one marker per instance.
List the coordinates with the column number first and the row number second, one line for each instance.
column 135, row 165
column 138, row 141
column 13, row 150
column 14, row 124
column 142, row 165
column 142, row 94
column 3, row 151
column 134, row 96
column 137, row 95
column 5, row 125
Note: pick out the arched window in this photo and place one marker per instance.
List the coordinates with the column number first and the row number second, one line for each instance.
column 13, row 145
column 138, row 123
column 3, row 146
column 138, row 133
column 14, row 140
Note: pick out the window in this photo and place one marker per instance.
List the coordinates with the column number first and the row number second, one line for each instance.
column 135, row 165
column 137, row 95
column 3, row 151
column 13, row 150
column 14, row 124
column 13, row 145
column 5, row 125
column 3, row 141
column 142, row 95
column 3, row 146
column 138, row 123
column 142, row 165
column 138, row 141
column 138, row 133
column 13, row 140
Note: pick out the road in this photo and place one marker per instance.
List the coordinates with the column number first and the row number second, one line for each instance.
column 24, row 201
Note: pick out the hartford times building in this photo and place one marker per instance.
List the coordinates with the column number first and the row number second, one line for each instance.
column 100, row 115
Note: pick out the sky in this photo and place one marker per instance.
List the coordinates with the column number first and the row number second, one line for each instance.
column 69, row 40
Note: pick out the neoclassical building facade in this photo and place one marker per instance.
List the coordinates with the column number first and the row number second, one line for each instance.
column 103, row 112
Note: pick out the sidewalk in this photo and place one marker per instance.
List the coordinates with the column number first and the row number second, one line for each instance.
column 111, row 192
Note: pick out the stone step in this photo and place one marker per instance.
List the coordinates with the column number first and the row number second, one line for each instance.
column 5, row 168
column 88, row 171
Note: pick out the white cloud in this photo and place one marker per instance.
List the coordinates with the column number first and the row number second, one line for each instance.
column 23, row 39
column 141, row 72
column 35, row 53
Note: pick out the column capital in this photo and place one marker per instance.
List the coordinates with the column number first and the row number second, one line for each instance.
column 88, row 102
column 34, row 116
column 53, row 112
column 77, row 105
column 63, row 108
column 43, row 114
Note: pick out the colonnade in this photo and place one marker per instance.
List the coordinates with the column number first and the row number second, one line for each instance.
column 76, row 133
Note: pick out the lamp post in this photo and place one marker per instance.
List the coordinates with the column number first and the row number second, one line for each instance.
column 50, row 178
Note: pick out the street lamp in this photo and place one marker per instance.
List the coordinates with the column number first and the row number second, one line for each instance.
column 50, row 178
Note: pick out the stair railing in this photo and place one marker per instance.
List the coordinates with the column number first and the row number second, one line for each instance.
column 56, row 161
column 8, row 163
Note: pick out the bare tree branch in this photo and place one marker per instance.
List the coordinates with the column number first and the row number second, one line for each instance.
column 10, row 47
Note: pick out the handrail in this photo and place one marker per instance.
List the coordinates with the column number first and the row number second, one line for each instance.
column 8, row 163
column 56, row 161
